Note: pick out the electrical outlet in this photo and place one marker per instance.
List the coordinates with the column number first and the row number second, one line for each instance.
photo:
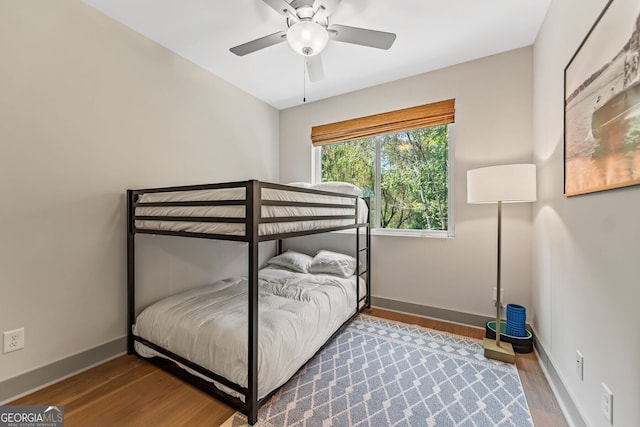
column 579, row 365
column 495, row 292
column 13, row 340
column 606, row 403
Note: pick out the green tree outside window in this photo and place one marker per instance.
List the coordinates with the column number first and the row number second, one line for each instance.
column 414, row 166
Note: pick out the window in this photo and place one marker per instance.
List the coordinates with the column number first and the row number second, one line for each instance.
column 402, row 166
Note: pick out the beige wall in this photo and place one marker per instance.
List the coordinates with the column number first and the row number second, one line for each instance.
column 586, row 274
column 89, row 108
column 493, row 126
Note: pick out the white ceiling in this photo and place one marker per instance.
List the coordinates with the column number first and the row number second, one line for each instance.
column 431, row 34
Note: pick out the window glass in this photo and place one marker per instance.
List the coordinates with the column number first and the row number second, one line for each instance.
column 412, row 189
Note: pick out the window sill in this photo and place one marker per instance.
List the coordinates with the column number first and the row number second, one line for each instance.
column 414, row 233
column 407, row 233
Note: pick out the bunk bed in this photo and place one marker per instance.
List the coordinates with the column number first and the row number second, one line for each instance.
column 252, row 212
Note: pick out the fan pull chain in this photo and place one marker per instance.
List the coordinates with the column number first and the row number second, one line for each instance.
column 304, row 81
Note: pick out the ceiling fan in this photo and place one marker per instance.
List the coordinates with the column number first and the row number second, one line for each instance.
column 309, row 32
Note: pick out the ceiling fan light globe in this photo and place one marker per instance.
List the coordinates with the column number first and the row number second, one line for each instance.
column 307, row 38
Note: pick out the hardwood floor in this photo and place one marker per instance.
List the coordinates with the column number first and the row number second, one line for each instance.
column 129, row 391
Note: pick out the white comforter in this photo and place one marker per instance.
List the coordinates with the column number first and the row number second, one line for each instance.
column 208, row 325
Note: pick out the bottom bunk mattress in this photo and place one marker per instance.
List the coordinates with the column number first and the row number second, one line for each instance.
column 298, row 312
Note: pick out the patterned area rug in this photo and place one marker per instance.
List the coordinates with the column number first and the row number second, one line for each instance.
column 384, row 373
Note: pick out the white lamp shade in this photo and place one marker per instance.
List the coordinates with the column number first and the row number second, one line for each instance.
column 505, row 183
column 307, row 38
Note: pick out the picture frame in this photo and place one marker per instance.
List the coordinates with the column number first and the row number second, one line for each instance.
column 602, row 104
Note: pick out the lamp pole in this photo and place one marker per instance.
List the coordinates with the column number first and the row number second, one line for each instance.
column 498, row 290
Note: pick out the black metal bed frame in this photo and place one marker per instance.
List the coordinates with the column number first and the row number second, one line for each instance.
column 252, row 220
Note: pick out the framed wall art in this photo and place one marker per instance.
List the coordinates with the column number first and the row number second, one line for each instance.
column 602, row 104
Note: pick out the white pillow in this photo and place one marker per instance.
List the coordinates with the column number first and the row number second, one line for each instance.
column 292, row 260
column 338, row 187
column 328, row 262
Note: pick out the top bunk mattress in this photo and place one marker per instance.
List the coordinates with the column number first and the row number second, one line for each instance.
column 284, row 216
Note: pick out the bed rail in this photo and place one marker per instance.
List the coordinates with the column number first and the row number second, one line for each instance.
column 187, row 219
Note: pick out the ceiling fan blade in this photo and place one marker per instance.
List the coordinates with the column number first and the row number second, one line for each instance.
column 314, row 68
column 283, row 8
column 324, row 8
column 260, row 43
column 362, row 36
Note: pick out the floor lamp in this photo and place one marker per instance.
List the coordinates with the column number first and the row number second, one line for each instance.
column 501, row 184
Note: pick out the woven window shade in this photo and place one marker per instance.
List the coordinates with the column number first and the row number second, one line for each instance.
column 438, row 113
